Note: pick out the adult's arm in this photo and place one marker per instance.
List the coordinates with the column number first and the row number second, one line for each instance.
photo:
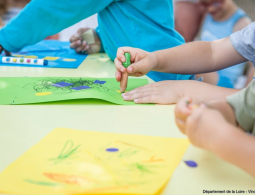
column 188, row 18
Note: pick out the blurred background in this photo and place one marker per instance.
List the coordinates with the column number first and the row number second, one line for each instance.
column 248, row 6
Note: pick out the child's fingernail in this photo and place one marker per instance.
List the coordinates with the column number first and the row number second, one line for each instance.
column 131, row 69
column 122, row 69
column 136, row 101
column 123, row 94
column 84, row 42
column 79, row 42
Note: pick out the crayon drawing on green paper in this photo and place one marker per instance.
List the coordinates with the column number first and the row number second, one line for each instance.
column 27, row 90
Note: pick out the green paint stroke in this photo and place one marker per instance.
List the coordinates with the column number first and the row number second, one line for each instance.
column 67, row 151
column 127, row 153
column 142, row 168
column 41, row 183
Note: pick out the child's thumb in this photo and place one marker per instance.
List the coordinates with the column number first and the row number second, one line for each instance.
column 136, row 67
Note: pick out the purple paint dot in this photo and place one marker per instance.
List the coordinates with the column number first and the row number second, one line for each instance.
column 81, row 88
column 112, row 149
column 62, row 84
column 191, row 163
column 99, row 82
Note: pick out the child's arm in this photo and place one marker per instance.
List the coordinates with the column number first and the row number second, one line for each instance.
column 191, row 58
column 198, row 57
column 208, row 129
column 42, row 18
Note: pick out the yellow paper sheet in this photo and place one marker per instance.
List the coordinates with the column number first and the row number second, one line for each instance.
column 70, row 161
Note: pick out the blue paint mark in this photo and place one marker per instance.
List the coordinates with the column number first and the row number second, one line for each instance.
column 99, row 82
column 112, row 149
column 62, row 84
column 191, row 163
column 81, row 88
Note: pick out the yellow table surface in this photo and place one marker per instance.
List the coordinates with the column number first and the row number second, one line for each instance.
column 22, row 126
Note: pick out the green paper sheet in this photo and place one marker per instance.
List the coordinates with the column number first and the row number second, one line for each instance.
column 28, row 90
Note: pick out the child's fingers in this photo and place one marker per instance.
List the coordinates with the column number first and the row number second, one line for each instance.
column 138, row 95
column 139, row 90
column 182, row 110
column 75, row 38
column 148, row 99
column 122, row 50
column 118, row 75
column 76, row 44
column 195, row 115
column 86, row 49
column 81, row 47
column 137, row 67
column 119, row 66
column 134, row 52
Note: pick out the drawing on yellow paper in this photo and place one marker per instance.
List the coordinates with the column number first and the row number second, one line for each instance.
column 70, row 161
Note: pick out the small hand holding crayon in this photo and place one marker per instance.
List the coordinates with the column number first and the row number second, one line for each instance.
column 142, row 62
column 7, row 53
column 183, row 109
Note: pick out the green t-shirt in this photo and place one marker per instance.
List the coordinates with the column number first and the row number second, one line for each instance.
column 243, row 104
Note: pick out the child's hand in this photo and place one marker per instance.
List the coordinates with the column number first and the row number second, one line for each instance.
column 164, row 92
column 182, row 111
column 142, row 62
column 81, row 45
column 205, row 126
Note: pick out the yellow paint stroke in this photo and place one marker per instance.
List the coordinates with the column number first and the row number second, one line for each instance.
column 120, row 92
column 69, row 60
column 51, row 58
column 19, row 56
column 43, row 93
column 32, row 57
column 153, row 159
